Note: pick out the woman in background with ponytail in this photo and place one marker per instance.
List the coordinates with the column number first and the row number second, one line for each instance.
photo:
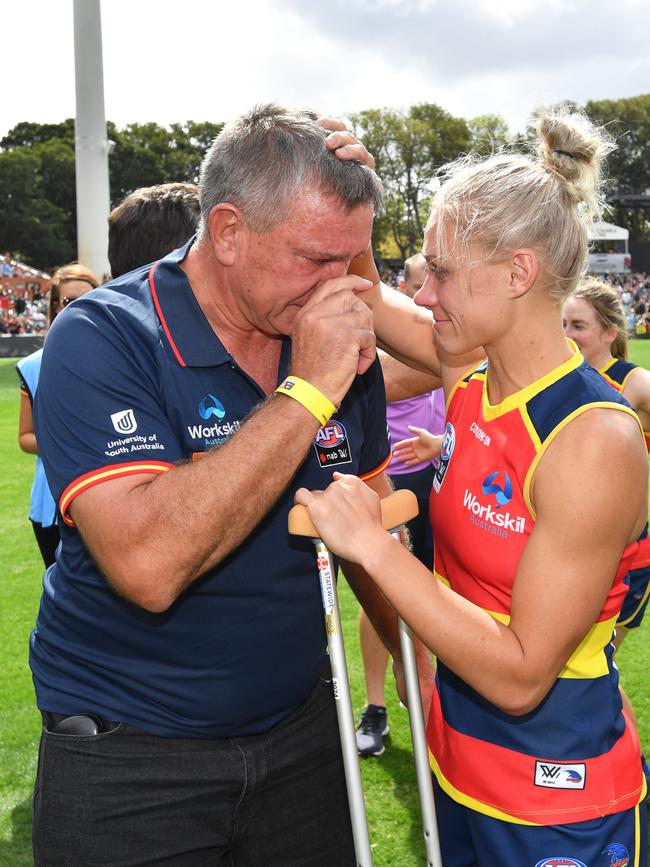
column 537, row 505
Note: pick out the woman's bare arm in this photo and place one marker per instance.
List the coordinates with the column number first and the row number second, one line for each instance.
column 585, row 518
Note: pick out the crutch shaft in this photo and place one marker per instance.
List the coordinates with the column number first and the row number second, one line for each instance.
column 396, row 509
column 420, row 751
column 343, row 703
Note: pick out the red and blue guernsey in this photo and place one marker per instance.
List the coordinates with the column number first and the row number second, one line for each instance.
column 617, row 373
column 575, row 757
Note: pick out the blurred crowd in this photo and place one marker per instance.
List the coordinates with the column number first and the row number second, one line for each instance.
column 634, row 291
column 23, row 298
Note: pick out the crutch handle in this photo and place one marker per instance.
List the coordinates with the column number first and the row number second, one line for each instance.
column 396, row 510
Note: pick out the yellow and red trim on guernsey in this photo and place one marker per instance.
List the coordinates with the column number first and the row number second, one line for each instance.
column 622, row 371
column 105, row 474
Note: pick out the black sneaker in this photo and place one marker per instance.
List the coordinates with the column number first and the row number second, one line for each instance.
column 373, row 727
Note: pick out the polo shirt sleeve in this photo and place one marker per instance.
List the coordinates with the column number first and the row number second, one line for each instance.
column 99, row 413
column 376, row 451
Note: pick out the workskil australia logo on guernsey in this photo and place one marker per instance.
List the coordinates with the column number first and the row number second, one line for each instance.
column 217, row 432
column 487, row 516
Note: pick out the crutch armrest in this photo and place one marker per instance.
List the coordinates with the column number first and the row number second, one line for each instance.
column 397, row 509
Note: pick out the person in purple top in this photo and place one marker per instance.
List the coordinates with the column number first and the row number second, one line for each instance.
column 406, row 418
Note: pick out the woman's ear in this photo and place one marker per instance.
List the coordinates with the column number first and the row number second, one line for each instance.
column 524, row 268
column 610, row 334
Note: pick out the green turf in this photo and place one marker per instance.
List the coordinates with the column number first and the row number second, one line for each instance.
column 389, row 781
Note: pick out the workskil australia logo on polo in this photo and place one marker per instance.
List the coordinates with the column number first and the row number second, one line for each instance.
column 488, row 515
column 332, row 445
column 210, row 407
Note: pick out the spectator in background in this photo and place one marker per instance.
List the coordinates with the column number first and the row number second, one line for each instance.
column 149, row 223
column 20, row 305
column 68, row 283
column 7, row 268
column 405, row 418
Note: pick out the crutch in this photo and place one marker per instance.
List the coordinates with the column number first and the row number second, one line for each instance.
column 396, row 510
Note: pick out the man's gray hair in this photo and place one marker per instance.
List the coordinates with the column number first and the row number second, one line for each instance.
column 260, row 161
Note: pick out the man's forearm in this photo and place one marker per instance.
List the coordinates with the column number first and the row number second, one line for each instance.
column 167, row 531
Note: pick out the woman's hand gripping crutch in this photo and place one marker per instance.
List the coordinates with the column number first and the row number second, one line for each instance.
column 396, row 510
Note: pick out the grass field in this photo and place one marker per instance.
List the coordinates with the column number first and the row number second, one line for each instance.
column 389, row 781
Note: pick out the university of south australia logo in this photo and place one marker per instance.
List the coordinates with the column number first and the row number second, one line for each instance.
column 124, row 421
column 211, row 406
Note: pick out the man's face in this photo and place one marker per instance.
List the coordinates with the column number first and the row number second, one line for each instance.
column 417, row 273
column 276, row 273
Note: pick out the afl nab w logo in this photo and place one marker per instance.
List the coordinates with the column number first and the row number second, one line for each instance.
column 124, row 421
column 332, row 445
column 503, row 494
column 211, row 406
column 331, row 435
column 447, row 450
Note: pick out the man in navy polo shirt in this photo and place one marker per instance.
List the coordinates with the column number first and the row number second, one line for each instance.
column 178, row 652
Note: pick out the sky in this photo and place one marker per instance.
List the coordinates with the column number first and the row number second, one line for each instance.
column 176, row 60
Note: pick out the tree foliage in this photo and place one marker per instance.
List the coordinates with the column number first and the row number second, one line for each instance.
column 409, row 146
column 37, row 191
column 488, row 133
column 37, row 178
column 628, row 122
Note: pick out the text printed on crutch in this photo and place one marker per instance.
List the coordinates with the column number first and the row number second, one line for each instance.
column 327, row 589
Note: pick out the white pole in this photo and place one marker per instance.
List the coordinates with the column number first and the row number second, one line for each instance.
column 91, row 144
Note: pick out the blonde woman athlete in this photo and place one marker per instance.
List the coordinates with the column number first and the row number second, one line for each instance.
column 534, row 760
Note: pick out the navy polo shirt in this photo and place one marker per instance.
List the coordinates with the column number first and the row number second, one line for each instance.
column 134, row 380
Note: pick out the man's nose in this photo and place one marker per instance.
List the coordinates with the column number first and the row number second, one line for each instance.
column 334, row 269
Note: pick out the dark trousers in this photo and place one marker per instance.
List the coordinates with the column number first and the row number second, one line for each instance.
column 125, row 798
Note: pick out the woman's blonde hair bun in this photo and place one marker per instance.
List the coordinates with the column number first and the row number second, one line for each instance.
column 574, row 149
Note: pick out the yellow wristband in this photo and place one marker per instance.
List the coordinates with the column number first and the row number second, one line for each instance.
column 309, row 396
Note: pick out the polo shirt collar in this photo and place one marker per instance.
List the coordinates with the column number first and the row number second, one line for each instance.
column 188, row 332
